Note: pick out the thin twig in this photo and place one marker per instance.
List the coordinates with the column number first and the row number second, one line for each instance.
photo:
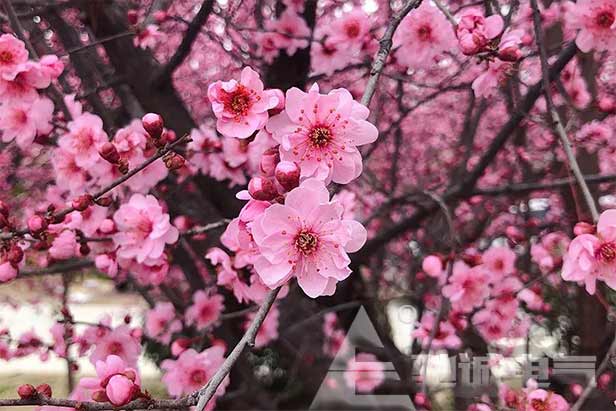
column 558, row 125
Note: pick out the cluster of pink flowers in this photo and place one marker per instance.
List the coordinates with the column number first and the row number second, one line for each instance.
column 115, row 383
column 24, row 114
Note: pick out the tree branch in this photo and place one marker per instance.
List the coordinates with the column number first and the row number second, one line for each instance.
column 186, row 45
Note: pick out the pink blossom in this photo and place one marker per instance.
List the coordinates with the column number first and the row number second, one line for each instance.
column 509, row 47
column 161, row 322
column 495, row 75
column 192, row 370
column 328, row 57
column 433, row 266
column 467, row 287
column 64, row 246
column 205, row 310
column 364, row 373
column 22, row 121
column 241, row 107
column 321, row 132
column 596, row 20
column 350, row 29
column 84, row 138
column 423, row 36
column 291, row 30
column 445, row 336
column 69, row 176
column 120, row 342
column 306, row 238
column 474, row 31
column 593, row 257
column 542, row 400
column 143, row 229
column 499, row 262
column 13, row 54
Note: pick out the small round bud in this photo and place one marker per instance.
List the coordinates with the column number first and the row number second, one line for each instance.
column 109, row 152
column 153, row 124
column 37, row 224
column 44, row 390
column 84, row 249
column 261, row 188
column 132, row 16
column 174, row 161
column 82, row 202
column 160, row 16
column 107, row 226
column 26, row 391
column 287, row 174
column 607, row 104
column 127, row 319
column 15, row 255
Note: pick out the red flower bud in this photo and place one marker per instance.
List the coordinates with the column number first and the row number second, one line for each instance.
column 261, row 188
column 82, row 202
column 44, row 390
column 37, row 224
column 84, row 249
column 287, row 175
column 132, row 16
column 153, row 124
column 583, row 228
column 15, row 255
column 174, row 161
column 123, row 166
column 109, row 152
column 26, row 391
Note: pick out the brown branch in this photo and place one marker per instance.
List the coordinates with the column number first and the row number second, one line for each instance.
column 186, row 45
column 384, row 48
column 100, row 193
column 558, row 125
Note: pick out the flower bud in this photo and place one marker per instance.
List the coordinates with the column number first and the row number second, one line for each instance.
column 160, row 16
column 84, row 249
column 174, row 161
column 269, row 159
column 132, row 16
column 287, row 175
column 82, row 202
column 26, row 391
column 432, row 266
column 153, row 124
column 44, row 390
column 607, row 105
column 261, row 188
column 15, row 255
column 107, row 226
column 37, row 224
column 123, row 166
column 109, row 152
column 583, row 228
column 120, row 390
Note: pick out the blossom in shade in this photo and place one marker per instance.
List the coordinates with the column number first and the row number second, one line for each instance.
column 161, row 322
column 118, row 341
column 306, row 238
column 241, row 106
column 592, row 257
column 444, row 337
column 321, row 132
column 467, row 287
column 143, row 229
column 205, row 310
column 22, row 121
column 364, row 373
